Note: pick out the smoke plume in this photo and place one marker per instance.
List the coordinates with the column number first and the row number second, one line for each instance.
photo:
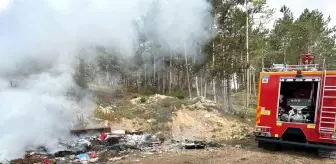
column 40, row 41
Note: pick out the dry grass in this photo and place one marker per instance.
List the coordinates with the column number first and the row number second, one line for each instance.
column 162, row 114
column 207, row 125
column 151, row 116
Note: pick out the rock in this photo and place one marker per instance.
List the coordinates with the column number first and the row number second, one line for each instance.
column 160, row 136
column 72, row 157
column 118, row 132
column 151, row 120
column 135, row 132
column 241, row 137
column 115, row 159
column 248, row 135
column 238, row 146
column 94, row 159
column 106, row 122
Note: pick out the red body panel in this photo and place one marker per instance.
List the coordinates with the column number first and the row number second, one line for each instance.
column 268, row 98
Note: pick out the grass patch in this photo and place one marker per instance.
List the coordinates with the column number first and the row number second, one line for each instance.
column 216, row 130
column 161, row 111
column 179, row 94
column 239, row 108
column 143, row 99
column 163, row 127
column 136, row 95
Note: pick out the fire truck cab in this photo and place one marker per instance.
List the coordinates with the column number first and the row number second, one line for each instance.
column 297, row 106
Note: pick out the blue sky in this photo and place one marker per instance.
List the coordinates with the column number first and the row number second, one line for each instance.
column 327, row 7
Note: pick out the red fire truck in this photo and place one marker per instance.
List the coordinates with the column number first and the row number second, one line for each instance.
column 297, row 106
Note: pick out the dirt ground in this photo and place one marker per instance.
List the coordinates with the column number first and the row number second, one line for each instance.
column 210, row 125
column 230, row 155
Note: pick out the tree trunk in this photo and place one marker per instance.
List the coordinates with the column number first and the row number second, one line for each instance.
column 187, row 68
column 178, row 78
column 235, row 81
column 254, row 82
column 242, row 79
column 163, row 80
column 201, row 85
column 250, row 72
column 205, row 84
column 158, row 82
column 284, row 51
column 170, row 71
column 146, row 78
column 138, row 81
column 224, row 93
column 196, row 80
column 213, row 78
column 107, row 78
column 262, row 63
column 154, row 65
column 197, row 89
column 247, row 58
column 228, row 90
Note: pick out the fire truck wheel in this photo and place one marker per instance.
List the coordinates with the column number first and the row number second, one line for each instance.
column 269, row 146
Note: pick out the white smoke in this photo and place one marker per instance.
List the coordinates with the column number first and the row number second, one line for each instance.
column 39, row 42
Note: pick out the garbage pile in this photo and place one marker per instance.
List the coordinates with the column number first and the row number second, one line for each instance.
column 106, row 147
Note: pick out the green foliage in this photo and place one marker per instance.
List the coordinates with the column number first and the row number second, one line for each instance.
column 143, row 99
column 149, row 90
column 225, row 54
column 307, row 34
column 80, row 75
column 180, row 94
column 136, row 95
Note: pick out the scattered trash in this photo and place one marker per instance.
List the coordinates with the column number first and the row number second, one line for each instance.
column 83, row 157
column 103, row 137
column 118, row 132
column 46, row 161
column 110, row 146
column 91, row 130
column 92, row 155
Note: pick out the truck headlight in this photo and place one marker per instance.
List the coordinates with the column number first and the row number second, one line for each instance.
column 333, row 136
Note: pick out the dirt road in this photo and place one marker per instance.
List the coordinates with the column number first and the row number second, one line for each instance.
column 230, row 155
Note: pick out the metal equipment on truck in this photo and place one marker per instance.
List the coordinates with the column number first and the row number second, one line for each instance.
column 297, row 106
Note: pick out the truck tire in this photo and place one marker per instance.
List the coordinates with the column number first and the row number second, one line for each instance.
column 269, row 146
column 261, row 144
